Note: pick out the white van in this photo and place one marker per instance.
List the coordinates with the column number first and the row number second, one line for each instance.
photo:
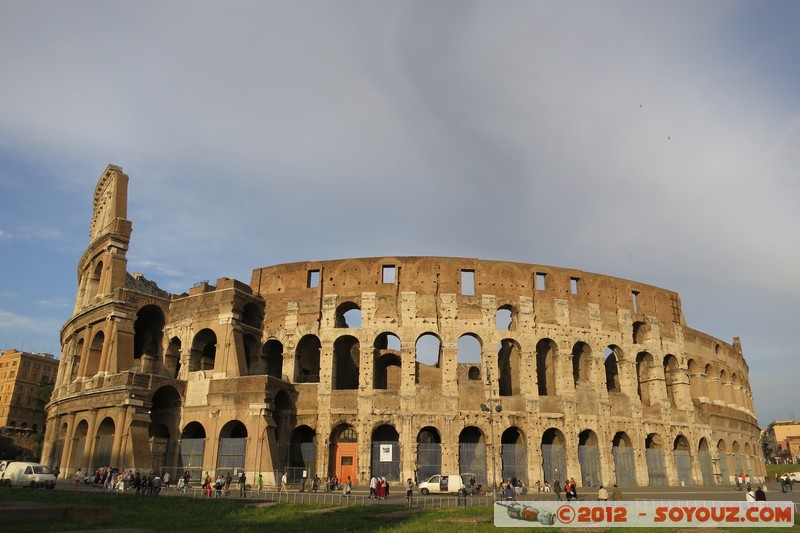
column 442, row 484
column 26, row 474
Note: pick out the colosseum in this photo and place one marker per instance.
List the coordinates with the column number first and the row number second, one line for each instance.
column 396, row 366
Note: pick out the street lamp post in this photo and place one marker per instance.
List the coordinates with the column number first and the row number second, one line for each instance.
column 492, row 407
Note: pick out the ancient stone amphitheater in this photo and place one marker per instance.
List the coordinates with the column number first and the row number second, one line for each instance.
column 396, row 366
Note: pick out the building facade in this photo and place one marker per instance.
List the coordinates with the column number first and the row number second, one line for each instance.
column 396, row 366
column 21, row 375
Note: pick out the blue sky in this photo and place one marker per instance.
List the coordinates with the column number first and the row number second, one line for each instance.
column 658, row 142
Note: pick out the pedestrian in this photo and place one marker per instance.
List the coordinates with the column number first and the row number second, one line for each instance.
column 242, row 484
column 409, row 491
column 761, row 496
column 284, row 481
column 616, row 494
column 373, row 487
column 602, row 494
column 557, row 489
column 750, row 496
column 315, row 483
column 346, row 488
column 166, row 479
column 259, row 483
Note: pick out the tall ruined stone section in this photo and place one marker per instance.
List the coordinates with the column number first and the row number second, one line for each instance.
column 397, row 366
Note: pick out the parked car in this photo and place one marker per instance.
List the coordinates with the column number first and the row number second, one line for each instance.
column 27, row 474
column 442, row 484
column 794, row 476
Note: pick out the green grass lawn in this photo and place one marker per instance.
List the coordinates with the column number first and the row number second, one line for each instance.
column 780, row 470
column 175, row 514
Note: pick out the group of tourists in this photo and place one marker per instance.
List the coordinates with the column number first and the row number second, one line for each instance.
column 121, row 480
column 378, row 488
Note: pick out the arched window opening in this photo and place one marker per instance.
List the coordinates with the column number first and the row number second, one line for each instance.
column 468, row 356
column 428, row 351
column 272, row 353
column 104, row 442
column 93, row 288
column 641, row 332
column 346, row 363
column 509, row 366
column 612, row 369
column 387, row 363
column 582, row 364
column 95, row 352
column 204, row 351
column 504, row 318
column 644, row 363
column 254, row 364
column 76, row 360
column 172, row 358
column 545, row 367
column 302, row 454
column 348, row 315
column 671, row 377
column 307, row 360
column 148, row 333
column 252, row 316
column 706, row 462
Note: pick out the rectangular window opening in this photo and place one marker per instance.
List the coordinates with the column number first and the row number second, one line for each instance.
column 468, row 283
column 389, row 274
column 540, row 281
column 313, row 279
column 573, row 285
column 634, row 296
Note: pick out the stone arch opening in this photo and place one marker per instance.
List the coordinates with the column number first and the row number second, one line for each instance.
column 656, row 463
column 302, row 453
column 706, row 462
column 284, row 415
column 472, row 453
column 104, row 443
column 232, row 447
column 191, row 448
column 554, row 455
column 344, row 453
column 468, row 355
column 509, row 366
column 79, row 445
column 165, row 416
column 624, row 459
column 641, row 332
column 94, row 281
column 429, row 453
column 681, row 450
column 546, row 352
column 348, row 315
column 148, row 330
column 724, row 461
column 204, row 351
column 306, row 360
column 386, row 452
column 346, row 363
column 589, row 458
column 514, row 454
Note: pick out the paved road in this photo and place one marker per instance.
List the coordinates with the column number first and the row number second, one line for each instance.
column 359, row 495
